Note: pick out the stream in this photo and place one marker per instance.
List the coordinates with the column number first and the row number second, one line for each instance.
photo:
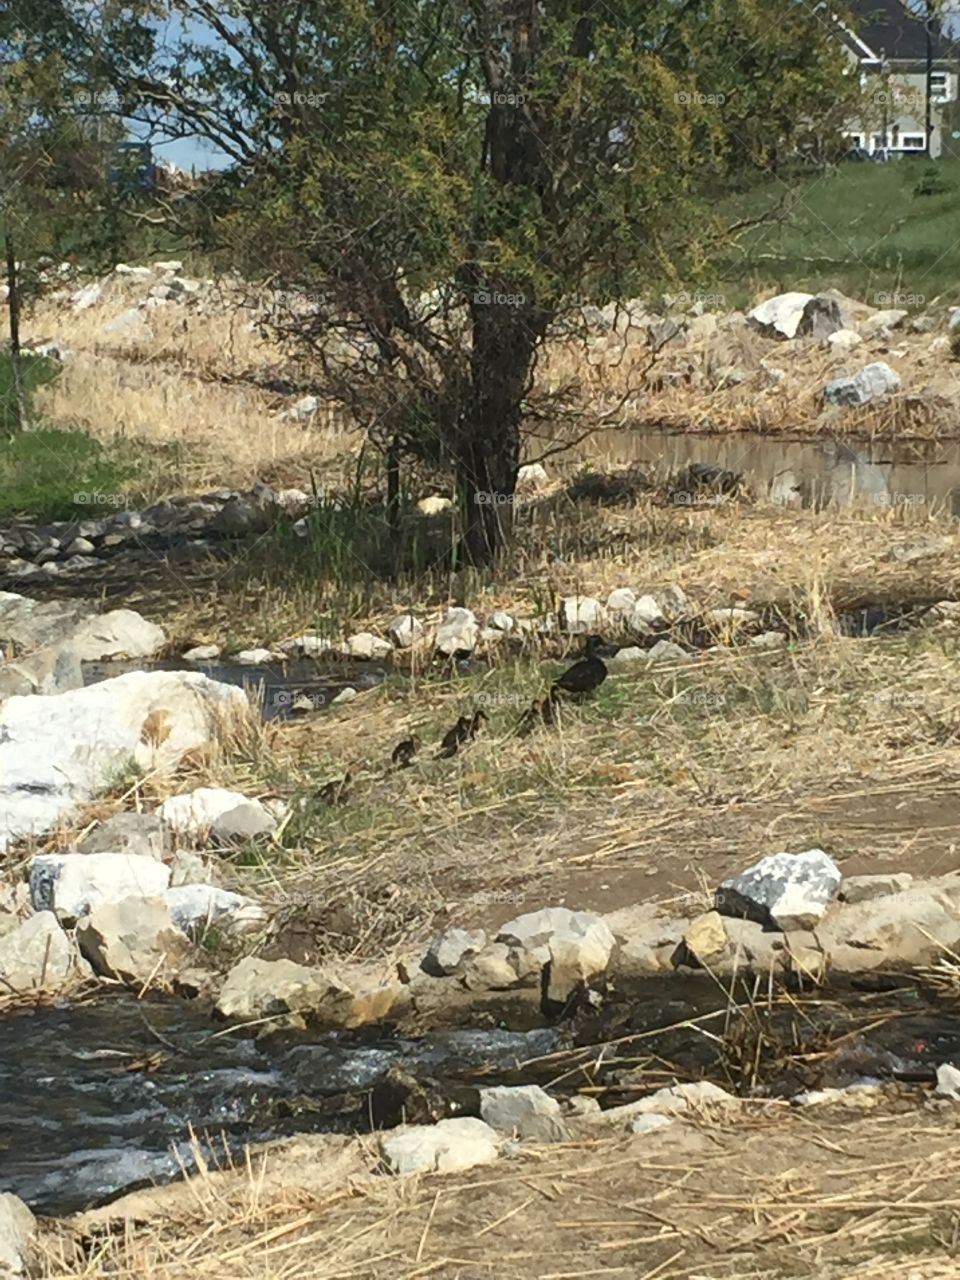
column 98, row 1099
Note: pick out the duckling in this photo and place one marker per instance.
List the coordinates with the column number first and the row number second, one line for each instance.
column 476, row 720
column 455, row 737
column 530, row 718
column 405, row 752
column 550, row 708
column 337, row 791
column 585, row 675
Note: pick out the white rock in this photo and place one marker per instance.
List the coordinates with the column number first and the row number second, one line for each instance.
column 434, row 505
column 871, row 383
column 502, row 621
column 458, row 632
column 649, row 1122
column 448, row 950
column 203, row 653
column 128, row 324
column 768, row 640
column 622, row 600
column 119, row 633
column 58, row 751
column 194, row 906
column 780, row 316
column 132, row 939
column 629, row 653
column 227, row 814
column 880, row 322
column 367, row 646
column 732, row 616
column 18, row 1229
column 73, row 884
column 786, row 890
column 532, row 476
column 173, row 264
column 445, row 1147
column 405, row 630
column 253, row 657
column 310, row 645
column 948, row 1081
column 345, row 695
column 667, row 651
column 304, row 408
column 646, row 613
column 523, row 1111
column 580, row 614
column 136, row 273
column 86, row 297
column 844, row 340
column 37, row 954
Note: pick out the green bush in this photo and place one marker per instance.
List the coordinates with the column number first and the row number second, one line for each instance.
column 932, row 183
column 37, row 370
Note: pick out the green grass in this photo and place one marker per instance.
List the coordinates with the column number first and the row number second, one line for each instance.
column 58, row 475
column 37, row 371
column 868, row 229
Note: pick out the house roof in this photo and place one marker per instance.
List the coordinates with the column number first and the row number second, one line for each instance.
column 889, row 29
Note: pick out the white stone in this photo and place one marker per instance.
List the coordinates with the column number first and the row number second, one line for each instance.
column 136, row 273
column 731, row 616
column 88, row 296
column 786, row 890
column 18, row 1229
column 37, row 954
column 780, row 316
column 304, row 408
column 768, row 640
column 445, row 1147
column 844, row 340
column 203, row 653
column 173, row 264
column 253, row 657
column 121, row 633
column 523, row 1111
column 132, row 939
column 667, row 651
column 646, row 613
column 880, row 322
column 650, row 1122
column 448, row 950
column 405, row 630
column 948, row 1081
column 872, row 382
column 128, row 324
column 458, row 632
column 58, row 751
column 73, row 884
column 434, row 505
column 367, row 646
column 502, row 621
column 194, row 906
column 580, row 614
column 345, row 695
column 622, row 600
column 629, row 653
column 532, row 476
column 228, row 814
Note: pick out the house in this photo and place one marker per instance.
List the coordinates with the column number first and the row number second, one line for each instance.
column 887, row 42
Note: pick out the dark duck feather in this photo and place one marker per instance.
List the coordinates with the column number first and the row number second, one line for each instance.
column 454, row 738
column 337, row 791
column 585, row 675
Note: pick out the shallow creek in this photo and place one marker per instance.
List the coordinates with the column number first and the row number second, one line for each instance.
column 97, row 1099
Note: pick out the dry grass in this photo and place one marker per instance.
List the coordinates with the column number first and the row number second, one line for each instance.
column 769, row 1195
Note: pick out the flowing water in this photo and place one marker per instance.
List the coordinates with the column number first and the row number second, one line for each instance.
column 97, row 1099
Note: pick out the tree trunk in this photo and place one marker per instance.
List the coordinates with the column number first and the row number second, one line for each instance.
column 16, row 360
column 505, row 336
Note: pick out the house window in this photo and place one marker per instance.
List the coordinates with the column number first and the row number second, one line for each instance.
column 855, row 140
column 938, row 84
column 878, row 140
column 913, row 142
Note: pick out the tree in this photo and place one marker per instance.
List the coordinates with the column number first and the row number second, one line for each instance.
column 444, row 182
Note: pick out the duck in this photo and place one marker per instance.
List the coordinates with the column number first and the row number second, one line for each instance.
column 478, row 718
column 405, row 752
column 530, row 718
column 586, row 675
column 336, row 791
column 550, row 708
column 455, row 736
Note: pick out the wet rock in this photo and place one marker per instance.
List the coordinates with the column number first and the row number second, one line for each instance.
column 203, row 653
column 226, row 815
column 523, row 1111
column 866, row 888
column 783, row 890
column 133, row 939
column 444, row 1147
column 580, row 614
column 193, row 907
column 448, row 951
column 405, row 630
column 38, row 955
column 253, row 657
column 18, row 1231
column 121, row 633
column 948, row 1081
column 706, row 939
column 367, row 646
column 74, row 884
column 139, row 833
column 780, row 317
column 871, row 383
column 820, row 318
column 458, row 632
